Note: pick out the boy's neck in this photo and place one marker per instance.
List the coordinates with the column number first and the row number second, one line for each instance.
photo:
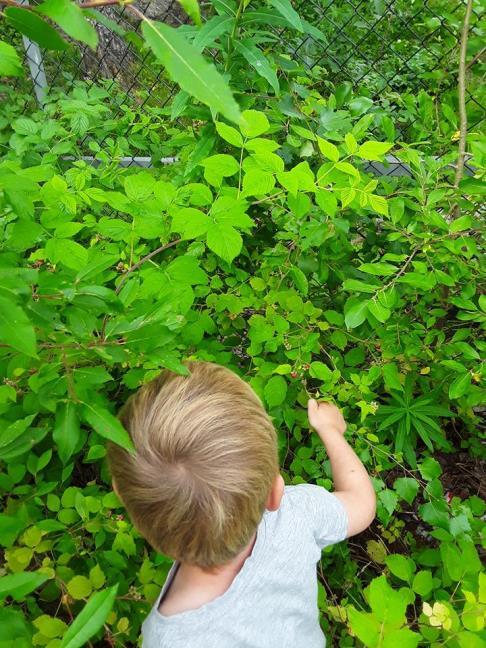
column 193, row 587
column 231, row 568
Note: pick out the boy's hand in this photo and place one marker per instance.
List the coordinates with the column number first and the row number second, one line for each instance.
column 325, row 418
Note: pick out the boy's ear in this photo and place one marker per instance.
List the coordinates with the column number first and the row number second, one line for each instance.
column 276, row 494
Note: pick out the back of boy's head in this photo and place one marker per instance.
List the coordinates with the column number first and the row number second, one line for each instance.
column 204, row 463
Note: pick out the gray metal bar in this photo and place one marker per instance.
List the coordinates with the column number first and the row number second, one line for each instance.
column 36, row 67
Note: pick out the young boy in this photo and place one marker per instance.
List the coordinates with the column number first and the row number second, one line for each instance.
column 204, row 488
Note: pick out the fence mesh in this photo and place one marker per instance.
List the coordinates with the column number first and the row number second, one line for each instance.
column 381, row 48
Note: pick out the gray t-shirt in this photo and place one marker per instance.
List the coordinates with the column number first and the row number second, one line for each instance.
column 272, row 602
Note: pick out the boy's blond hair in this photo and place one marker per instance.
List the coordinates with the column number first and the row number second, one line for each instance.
column 205, row 460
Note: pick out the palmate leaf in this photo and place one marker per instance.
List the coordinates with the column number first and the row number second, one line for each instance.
column 187, row 67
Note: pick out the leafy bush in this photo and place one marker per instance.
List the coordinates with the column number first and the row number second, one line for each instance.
column 270, row 248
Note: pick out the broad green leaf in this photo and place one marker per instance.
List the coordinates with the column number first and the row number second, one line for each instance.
column 224, row 241
column 66, row 433
column 35, row 28
column 16, row 330
column 257, row 183
column 400, row 566
column 365, row 626
column 285, row 8
column 71, row 19
column 79, row 587
column 68, row 252
column 300, row 279
column 187, row 67
column 356, row 314
column 404, row 638
column 380, row 269
column 20, row 584
column 321, row 371
column 353, row 285
column 373, row 150
column 10, row 527
column 378, row 204
column 229, row 134
column 460, row 386
column 255, row 57
column 107, row 425
column 391, row 376
column 377, row 310
column 218, row 167
column 407, row 488
column 253, row 123
column 328, row 149
column 327, row 202
column 139, row 186
column 10, row 64
column 90, row 619
column 430, row 468
column 191, row 7
column 423, row 583
column 275, row 391
column 190, row 222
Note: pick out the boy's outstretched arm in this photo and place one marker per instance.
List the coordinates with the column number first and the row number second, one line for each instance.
column 352, row 484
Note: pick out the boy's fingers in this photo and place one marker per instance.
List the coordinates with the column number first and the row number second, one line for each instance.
column 312, row 405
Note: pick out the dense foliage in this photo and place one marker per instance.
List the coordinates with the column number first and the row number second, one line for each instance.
column 270, row 248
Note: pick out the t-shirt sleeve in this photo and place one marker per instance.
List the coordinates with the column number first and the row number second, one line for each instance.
column 322, row 512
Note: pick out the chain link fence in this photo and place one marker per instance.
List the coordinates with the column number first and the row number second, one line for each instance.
column 381, row 49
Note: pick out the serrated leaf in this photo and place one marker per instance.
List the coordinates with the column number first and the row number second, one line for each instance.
column 224, row 241
column 187, row 67
column 253, row 123
column 373, row 150
column 275, row 391
column 229, row 134
column 10, row 64
column 328, row 149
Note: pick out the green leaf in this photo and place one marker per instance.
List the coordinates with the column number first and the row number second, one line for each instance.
column 68, row 252
column 391, row 376
column 16, row 329
column 328, row 149
column 253, row 123
column 20, row 584
column 430, row 468
column 407, row 488
column 187, row 67
column 400, row 566
column 71, row 19
column 275, row 391
column 321, row 371
column 373, row 150
column 403, row 637
column 10, row 527
column 377, row 310
column 224, row 241
column 139, row 186
column 255, row 57
column 365, row 626
column 66, row 433
column 79, row 587
column 356, row 315
column 378, row 204
column 327, row 202
column 191, row 7
column 10, row 64
column 35, row 28
column 460, row 386
column 288, row 12
column 380, row 269
column 229, row 134
column 300, row 279
column 423, row 583
column 90, row 619
column 257, row 183
column 218, row 167
column 212, row 30
column 190, row 222
column 107, row 425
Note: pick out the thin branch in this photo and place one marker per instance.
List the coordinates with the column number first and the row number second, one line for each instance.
column 461, row 89
column 131, row 269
